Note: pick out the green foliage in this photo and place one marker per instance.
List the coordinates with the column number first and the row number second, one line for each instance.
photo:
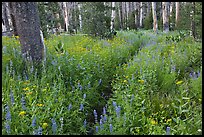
column 148, row 21
column 95, row 20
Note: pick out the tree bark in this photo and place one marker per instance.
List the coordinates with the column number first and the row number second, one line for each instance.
column 28, row 28
column 80, row 18
column 112, row 16
column 121, row 15
column 5, row 18
column 192, row 15
column 177, row 14
column 154, row 14
column 141, row 14
column 13, row 20
column 165, row 17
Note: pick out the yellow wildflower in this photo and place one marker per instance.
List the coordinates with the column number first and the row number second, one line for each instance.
column 179, row 82
column 17, row 37
column 22, row 113
column 125, row 81
column 28, row 93
column 141, row 81
column 153, row 122
column 26, row 89
column 40, row 105
column 44, row 125
column 168, row 120
column 126, row 77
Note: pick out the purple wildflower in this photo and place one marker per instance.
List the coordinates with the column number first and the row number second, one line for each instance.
column 39, row 132
column 23, row 103
column 117, row 109
column 81, row 107
column 54, row 126
column 111, row 128
column 12, row 98
column 8, row 114
column 84, row 96
column 101, row 124
column 95, row 116
column 114, row 104
column 85, row 123
column 168, row 131
column 104, row 110
column 34, row 122
column 70, row 106
column 8, row 129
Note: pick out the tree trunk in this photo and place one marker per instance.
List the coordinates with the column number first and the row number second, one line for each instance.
column 13, row 20
column 192, row 15
column 154, row 14
column 177, row 14
column 28, row 28
column 121, row 15
column 5, row 19
column 64, row 5
column 165, row 17
column 141, row 15
column 80, row 18
column 112, row 16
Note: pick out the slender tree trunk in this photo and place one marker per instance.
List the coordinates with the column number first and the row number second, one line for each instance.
column 80, row 18
column 28, row 28
column 120, row 14
column 141, row 14
column 192, row 15
column 112, row 16
column 177, row 14
column 148, row 8
column 170, row 14
column 64, row 5
column 165, row 17
column 154, row 14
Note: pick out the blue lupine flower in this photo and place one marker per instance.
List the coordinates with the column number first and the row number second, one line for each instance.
column 84, row 96
column 95, row 116
column 8, row 129
column 8, row 114
column 12, row 98
column 79, row 86
column 101, row 124
column 23, row 103
column 54, row 126
column 34, row 122
column 81, row 107
column 96, row 129
column 117, row 109
column 70, row 106
column 104, row 118
column 39, row 132
column 85, row 123
column 198, row 73
column 131, row 99
column 111, row 128
column 89, row 85
column 168, row 131
column 104, row 110
column 101, row 117
column 61, row 120
column 100, row 81
column 114, row 103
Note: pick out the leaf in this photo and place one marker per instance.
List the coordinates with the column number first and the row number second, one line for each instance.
column 184, row 111
column 185, row 98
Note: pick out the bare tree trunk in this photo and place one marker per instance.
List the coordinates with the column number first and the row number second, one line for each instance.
column 154, row 13
column 64, row 5
column 148, row 8
column 192, row 17
column 5, row 18
column 165, row 17
column 112, row 16
column 80, row 18
column 177, row 14
column 28, row 28
column 141, row 14
column 13, row 20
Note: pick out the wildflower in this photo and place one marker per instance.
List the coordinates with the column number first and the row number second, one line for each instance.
column 54, row 126
column 22, row 113
column 141, row 81
column 23, row 103
column 80, row 86
column 114, row 103
column 12, row 98
column 100, row 81
column 44, row 125
column 117, row 109
column 168, row 131
column 70, row 106
column 104, row 110
column 101, row 124
column 26, row 89
column 95, row 116
column 61, row 121
column 8, row 114
column 85, row 123
column 84, row 96
column 96, row 129
column 111, row 128
column 8, row 129
column 168, row 120
column 39, row 131
column 104, row 119
column 153, row 122
column 29, row 93
column 33, row 122
column 81, row 107
column 179, row 82
column 125, row 81
column 40, row 105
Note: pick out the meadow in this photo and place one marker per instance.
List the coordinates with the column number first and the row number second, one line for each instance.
column 138, row 83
